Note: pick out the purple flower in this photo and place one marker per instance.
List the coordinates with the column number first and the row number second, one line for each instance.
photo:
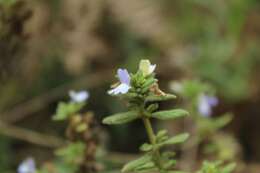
column 206, row 103
column 124, row 85
column 78, row 97
column 27, row 166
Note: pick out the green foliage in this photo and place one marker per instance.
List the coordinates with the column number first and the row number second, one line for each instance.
column 139, row 164
column 121, row 118
column 216, row 167
column 156, row 98
column 73, row 153
column 7, row 2
column 65, row 110
column 205, row 127
column 218, row 57
column 170, row 114
column 143, row 97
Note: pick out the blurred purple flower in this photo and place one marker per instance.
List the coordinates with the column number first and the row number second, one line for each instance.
column 78, row 97
column 206, row 103
column 124, row 85
column 27, row 166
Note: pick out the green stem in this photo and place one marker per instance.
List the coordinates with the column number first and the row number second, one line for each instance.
column 152, row 139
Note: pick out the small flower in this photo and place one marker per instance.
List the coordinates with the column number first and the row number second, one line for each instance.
column 146, row 67
column 27, row 166
column 124, row 85
column 206, row 103
column 78, row 97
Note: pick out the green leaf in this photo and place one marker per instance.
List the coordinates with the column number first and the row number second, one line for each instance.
column 175, row 140
column 131, row 166
column 153, row 107
column 121, row 118
column 148, row 83
column 222, row 121
column 162, row 136
column 71, row 153
column 170, row 114
column 65, row 110
column 146, row 147
column 169, row 164
column 155, row 98
column 146, row 167
column 229, row 168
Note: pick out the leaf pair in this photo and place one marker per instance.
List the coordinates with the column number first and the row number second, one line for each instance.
column 122, row 118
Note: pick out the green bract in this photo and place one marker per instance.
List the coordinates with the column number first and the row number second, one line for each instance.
column 143, row 102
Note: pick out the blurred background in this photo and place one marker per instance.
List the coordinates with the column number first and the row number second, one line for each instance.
column 48, row 47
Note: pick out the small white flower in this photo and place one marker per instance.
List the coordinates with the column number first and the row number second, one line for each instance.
column 78, row 97
column 206, row 103
column 27, row 166
column 146, row 67
column 124, row 85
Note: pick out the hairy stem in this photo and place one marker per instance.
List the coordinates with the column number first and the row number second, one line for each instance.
column 152, row 139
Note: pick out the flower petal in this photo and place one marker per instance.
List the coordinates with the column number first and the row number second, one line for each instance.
column 152, row 68
column 204, row 106
column 79, row 97
column 27, row 166
column 120, row 89
column 146, row 68
column 213, row 101
column 123, row 76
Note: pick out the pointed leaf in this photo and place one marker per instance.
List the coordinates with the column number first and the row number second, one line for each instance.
column 170, row 114
column 145, row 167
column 175, row 140
column 137, row 163
column 146, row 147
column 155, row 98
column 121, row 118
column 229, row 168
column 222, row 121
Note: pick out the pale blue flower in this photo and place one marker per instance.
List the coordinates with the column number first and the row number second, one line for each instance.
column 206, row 104
column 124, row 85
column 27, row 166
column 78, row 97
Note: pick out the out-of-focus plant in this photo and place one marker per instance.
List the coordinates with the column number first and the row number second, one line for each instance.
column 142, row 93
column 79, row 153
column 220, row 51
column 200, row 100
column 216, row 167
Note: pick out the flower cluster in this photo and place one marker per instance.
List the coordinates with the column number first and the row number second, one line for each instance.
column 124, row 85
